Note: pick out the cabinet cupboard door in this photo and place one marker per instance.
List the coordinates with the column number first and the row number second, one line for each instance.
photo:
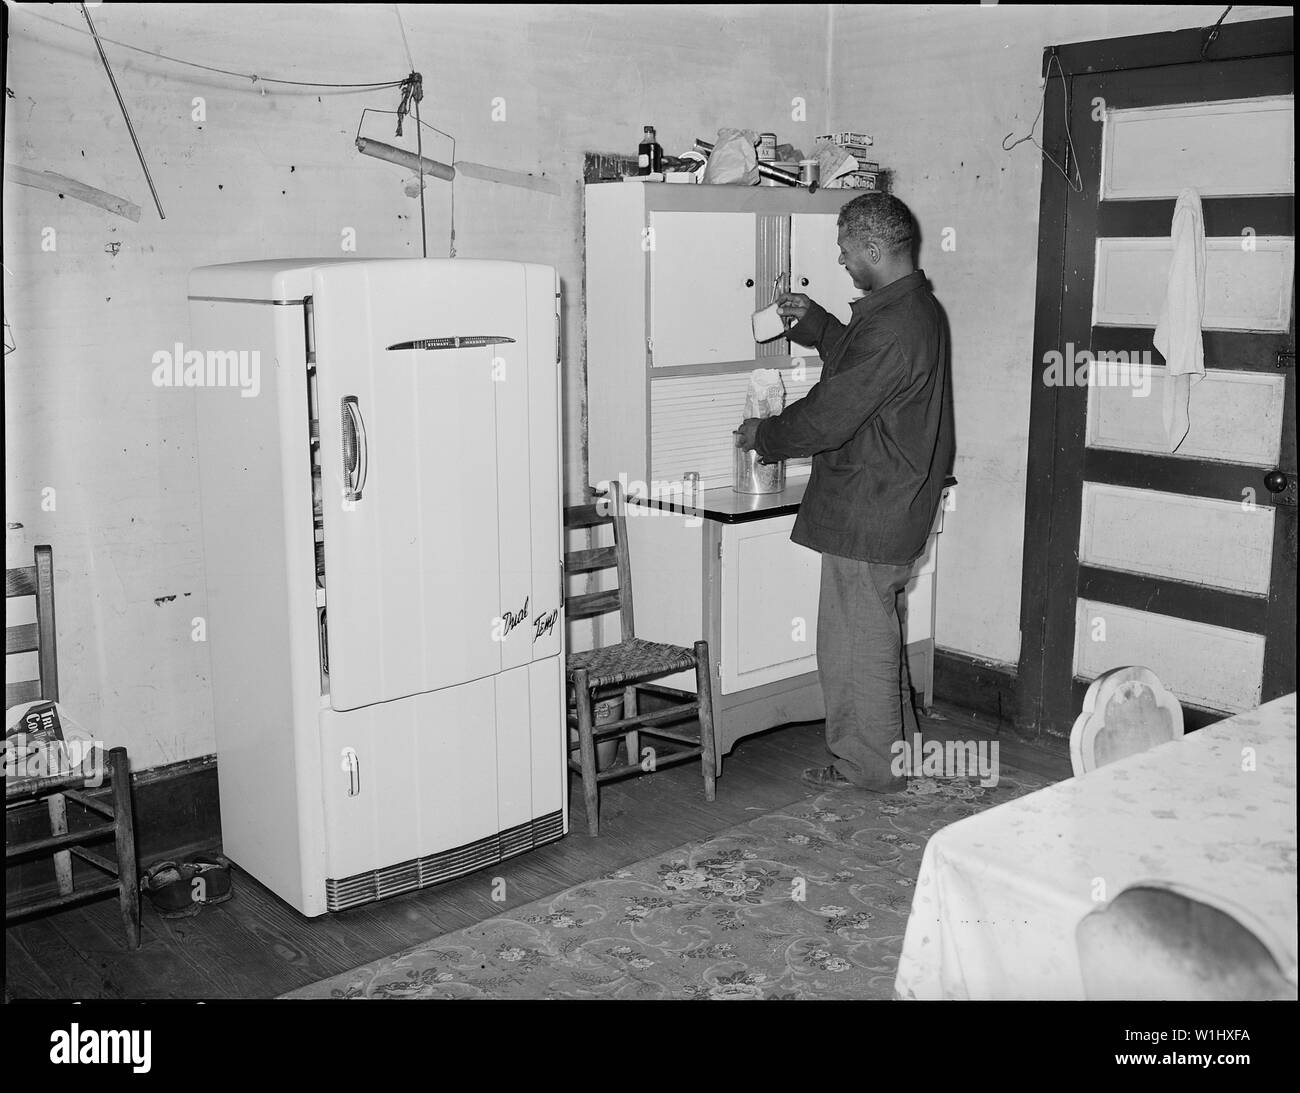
column 920, row 609
column 770, row 589
column 815, row 268
column 702, row 269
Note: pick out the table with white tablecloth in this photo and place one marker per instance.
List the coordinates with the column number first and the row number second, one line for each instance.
column 1000, row 895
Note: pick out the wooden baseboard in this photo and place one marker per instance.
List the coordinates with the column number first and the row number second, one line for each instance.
column 983, row 686
column 990, row 688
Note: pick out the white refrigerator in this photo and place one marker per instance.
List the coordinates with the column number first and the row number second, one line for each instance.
column 379, row 460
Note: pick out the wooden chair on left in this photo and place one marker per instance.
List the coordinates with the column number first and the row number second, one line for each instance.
column 108, row 804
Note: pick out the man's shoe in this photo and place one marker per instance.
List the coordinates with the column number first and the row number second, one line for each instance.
column 213, row 873
column 825, row 778
column 167, row 884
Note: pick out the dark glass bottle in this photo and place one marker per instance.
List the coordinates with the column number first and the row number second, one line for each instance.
column 649, row 156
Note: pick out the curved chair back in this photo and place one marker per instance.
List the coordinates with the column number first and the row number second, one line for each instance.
column 1126, row 710
column 1154, row 943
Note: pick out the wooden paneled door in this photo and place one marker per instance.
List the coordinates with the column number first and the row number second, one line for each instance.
column 1183, row 560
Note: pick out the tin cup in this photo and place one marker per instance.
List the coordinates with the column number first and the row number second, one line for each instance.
column 767, row 324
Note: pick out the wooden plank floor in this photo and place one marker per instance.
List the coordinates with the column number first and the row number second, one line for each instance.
column 256, row 946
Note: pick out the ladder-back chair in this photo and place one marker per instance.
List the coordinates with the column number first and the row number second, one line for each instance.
column 110, row 804
column 628, row 666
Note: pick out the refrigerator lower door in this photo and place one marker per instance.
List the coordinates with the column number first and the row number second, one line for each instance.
column 532, row 774
column 406, row 779
column 426, row 788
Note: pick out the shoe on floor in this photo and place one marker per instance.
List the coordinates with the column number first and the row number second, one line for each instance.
column 825, row 777
column 831, row 778
column 167, row 885
column 213, row 874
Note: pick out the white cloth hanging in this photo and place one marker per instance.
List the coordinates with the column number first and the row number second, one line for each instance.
column 1178, row 331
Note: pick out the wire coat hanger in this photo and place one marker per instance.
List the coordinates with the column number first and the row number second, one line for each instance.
column 1071, row 157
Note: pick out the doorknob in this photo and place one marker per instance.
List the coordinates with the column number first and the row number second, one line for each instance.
column 749, row 282
column 1276, row 481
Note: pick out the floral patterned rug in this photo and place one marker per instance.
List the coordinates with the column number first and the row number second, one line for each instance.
column 809, row 901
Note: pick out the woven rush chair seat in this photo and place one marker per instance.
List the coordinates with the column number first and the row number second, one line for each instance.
column 629, row 662
column 628, row 666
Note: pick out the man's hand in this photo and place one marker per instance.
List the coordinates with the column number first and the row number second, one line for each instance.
column 747, row 435
column 793, row 305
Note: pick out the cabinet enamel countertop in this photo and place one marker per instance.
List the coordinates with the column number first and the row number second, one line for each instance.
column 729, row 507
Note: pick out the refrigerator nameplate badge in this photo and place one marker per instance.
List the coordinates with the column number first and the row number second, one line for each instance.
column 470, row 341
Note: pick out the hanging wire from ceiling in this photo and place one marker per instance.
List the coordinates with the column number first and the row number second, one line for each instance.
column 126, row 114
column 413, row 91
column 412, row 94
column 254, row 77
column 1213, row 33
column 411, row 85
column 1071, row 158
column 410, row 59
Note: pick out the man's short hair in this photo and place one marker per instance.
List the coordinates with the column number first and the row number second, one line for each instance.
column 881, row 219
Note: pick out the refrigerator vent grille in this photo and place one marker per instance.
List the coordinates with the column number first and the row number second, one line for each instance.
column 408, row 876
column 548, row 828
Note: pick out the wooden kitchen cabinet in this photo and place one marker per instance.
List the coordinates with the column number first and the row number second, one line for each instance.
column 673, row 274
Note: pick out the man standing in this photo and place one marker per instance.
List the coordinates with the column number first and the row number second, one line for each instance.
column 879, row 427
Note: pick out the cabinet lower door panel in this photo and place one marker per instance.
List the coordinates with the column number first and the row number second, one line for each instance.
column 770, row 589
column 920, row 608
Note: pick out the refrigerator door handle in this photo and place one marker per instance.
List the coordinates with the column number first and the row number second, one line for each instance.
column 355, row 449
column 352, row 765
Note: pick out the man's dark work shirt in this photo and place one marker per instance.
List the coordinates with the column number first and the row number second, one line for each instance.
column 878, row 425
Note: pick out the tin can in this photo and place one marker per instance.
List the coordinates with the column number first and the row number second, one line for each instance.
column 690, row 488
column 752, row 475
column 808, row 171
column 767, row 147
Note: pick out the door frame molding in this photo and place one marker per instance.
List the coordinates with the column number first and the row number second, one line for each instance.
column 1053, row 436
